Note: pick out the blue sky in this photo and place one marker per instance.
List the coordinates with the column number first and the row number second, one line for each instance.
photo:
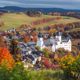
column 67, row 4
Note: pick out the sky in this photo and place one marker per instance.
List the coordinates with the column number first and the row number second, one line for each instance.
column 66, row 4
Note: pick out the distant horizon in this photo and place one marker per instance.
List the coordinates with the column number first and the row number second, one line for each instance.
column 64, row 4
column 39, row 7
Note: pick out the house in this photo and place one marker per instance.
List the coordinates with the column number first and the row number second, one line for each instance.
column 58, row 41
column 31, row 59
column 37, row 54
column 24, row 48
column 29, row 53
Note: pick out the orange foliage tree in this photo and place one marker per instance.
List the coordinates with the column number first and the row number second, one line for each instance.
column 26, row 39
column 6, row 58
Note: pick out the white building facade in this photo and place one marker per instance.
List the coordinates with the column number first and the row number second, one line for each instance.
column 58, row 42
column 40, row 41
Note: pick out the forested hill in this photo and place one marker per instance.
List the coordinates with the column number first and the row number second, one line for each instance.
column 43, row 10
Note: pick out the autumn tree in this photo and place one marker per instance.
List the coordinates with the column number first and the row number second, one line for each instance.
column 5, row 56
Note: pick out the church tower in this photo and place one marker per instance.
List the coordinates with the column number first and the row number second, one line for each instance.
column 59, row 37
column 40, row 41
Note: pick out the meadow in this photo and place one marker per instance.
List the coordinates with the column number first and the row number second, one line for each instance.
column 14, row 20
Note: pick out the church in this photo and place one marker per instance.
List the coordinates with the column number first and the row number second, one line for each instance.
column 58, row 41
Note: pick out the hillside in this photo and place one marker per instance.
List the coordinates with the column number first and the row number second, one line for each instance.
column 15, row 20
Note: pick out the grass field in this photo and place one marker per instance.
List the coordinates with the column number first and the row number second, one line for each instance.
column 15, row 20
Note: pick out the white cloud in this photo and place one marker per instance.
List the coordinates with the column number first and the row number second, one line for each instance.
column 73, row 4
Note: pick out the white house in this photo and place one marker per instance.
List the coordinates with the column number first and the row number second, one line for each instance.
column 59, row 41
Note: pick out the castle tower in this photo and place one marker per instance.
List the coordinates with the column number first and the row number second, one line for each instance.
column 58, row 36
column 40, row 41
column 54, row 46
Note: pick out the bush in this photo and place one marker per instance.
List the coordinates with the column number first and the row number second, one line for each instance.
column 19, row 73
column 71, row 66
column 46, row 52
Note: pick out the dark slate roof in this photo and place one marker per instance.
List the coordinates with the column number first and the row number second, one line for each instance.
column 38, row 53
column 66, row 38
column 49, row 42
column 58, row 33
column 31, row 57
column 40, row 35
column 22, row 44
column 31, row 43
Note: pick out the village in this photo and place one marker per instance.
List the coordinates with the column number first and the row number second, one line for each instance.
column 51, row 47
column 31, row 47
column 34, row 48
column 39, row 39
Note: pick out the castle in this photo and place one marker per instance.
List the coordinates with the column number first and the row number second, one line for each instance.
column 58, row 41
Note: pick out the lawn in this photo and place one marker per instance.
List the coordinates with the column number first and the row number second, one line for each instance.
column 15, row 20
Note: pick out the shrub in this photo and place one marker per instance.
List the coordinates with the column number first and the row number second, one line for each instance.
column 71, row 66
column 46, row 52
column 19, row 73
